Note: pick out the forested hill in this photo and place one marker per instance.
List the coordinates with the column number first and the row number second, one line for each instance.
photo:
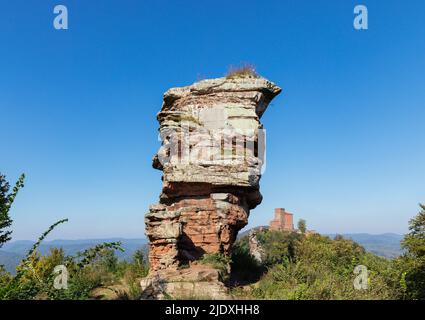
column 385, row 245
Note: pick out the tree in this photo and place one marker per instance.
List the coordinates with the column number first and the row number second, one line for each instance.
column 414, row 241
column 413, row 260
column 302, row 226
column 139, row 257
column 6, row 201
column 108, row 260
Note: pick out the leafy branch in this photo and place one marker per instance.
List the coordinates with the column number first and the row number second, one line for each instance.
column 6, row 201
column 90, row 254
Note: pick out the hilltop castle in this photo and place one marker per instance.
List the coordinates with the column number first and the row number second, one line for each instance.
column 283, row 220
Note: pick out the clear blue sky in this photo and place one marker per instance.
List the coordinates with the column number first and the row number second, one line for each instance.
column 77, row 107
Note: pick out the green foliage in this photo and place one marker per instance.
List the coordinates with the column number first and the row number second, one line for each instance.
column 412, row 263
column 244, row 268
column 302, row 226
column 43, row 236
column 5, row 278
column 35, row 278
column 94, row 268
column 317, row 267
column 295, row 266
column 90, row 269
column 414, row 241
column 218, row 261
column 128, row 273
column 103, row 254
column 139, row 264
column 29, row 281
column 6, row 201
column 131, row 273
column 278, row 246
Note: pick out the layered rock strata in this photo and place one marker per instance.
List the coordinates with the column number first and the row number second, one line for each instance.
column 211, row 155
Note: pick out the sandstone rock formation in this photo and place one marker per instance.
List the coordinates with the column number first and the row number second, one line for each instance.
column 196, row 282
column 211, row 156
column 255, row 249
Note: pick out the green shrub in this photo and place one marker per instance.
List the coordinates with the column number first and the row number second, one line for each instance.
column 219, row 262
column 319, row 268
column 278, row 246
column 412, row 263
column 244, row 268
column 35, row 279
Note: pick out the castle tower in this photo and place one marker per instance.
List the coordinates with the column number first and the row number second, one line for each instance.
column 283, row 220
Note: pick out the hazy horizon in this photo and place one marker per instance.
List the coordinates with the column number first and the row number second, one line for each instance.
column 144, row 238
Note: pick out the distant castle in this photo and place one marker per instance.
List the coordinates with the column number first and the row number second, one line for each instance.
column 283, row 220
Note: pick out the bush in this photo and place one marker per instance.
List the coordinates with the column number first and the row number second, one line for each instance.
column 278, row 246
column 244, row 268
column 219, row 262
column 315, row 267
column 35, row 277
column 134, row 271
column 93, row 268
column 412, row 263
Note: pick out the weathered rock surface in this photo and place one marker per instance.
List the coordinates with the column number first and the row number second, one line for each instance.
column 194, row 282
column 211, row 156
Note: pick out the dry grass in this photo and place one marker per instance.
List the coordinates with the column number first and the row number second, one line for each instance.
column 245, row 70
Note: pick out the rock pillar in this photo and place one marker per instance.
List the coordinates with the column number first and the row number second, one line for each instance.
column 212, row 153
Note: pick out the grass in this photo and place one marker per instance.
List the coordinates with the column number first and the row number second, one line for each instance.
column 243, row 71
column 217, row 261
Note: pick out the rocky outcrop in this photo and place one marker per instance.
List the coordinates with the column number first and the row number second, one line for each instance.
column 195, row 282
column 211, row 156
column 255, row 249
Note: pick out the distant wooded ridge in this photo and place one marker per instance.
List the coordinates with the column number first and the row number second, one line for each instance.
column 14, row 251
column 386, row 245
